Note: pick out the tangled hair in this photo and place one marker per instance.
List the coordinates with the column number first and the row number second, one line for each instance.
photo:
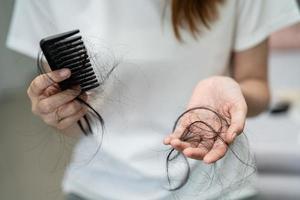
column 201, row 127
column 191, row 14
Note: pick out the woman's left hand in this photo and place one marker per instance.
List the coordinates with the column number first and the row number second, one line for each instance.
column 224, row 95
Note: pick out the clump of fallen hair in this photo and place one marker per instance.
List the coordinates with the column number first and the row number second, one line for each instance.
column 201, row 127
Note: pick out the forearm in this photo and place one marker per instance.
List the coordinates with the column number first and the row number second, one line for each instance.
column 250, row 70
column 257, row 95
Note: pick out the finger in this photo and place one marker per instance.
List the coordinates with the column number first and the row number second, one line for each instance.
column 217, row 152
column 41, row 82
column 51, row 90
column 179, row 145
column 50, row 119
column 177, row 133
column 69, row 121
column 167, row 140
column 238, row 118
column 195, row 153
column 170, row 137
column 52, row 103
column 69, row 109
column 83, row 96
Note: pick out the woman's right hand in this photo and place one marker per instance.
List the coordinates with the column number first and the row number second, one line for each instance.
column 57, row 108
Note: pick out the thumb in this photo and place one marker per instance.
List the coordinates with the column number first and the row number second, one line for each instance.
column 42, row 82
column 237, row 123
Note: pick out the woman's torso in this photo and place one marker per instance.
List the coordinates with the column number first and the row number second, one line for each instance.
column 149, row 88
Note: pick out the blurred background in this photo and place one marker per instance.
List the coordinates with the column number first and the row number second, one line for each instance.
column 33, row 156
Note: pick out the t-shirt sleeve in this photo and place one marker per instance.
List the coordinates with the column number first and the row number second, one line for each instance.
column 30, row 22
column 257, row 19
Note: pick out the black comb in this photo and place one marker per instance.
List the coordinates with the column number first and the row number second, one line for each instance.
column 67, row 50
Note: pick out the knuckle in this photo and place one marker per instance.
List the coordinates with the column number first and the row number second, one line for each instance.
column 60, row 126
column 45, row 106
column 36, row 82
column 74, row 107
column 67, row 95
column 73, row 92
column 48, row 120
column 55, row 76
column 83, row 110
column 41, row 78
column 68, row 109
column 63, row 125
column 60, row 110
column 84, row 96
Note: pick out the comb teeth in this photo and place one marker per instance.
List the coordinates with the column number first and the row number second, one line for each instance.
column 67, row 50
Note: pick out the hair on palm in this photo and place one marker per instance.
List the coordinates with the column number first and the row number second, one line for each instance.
column 201, row 127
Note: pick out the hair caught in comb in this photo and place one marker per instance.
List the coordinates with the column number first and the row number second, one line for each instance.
column 67, row 50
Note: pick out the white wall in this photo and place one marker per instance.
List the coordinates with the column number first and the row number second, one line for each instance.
column 15, row 69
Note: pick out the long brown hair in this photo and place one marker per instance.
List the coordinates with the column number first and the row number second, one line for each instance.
column 192, row 14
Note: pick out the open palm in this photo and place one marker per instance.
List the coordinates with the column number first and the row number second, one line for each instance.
column 215, row 129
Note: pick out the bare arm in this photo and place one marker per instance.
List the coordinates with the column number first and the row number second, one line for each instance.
column 250, row 71
column 287, row 38
column 246, row 94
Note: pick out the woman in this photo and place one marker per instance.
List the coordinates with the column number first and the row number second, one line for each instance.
column 179, row 54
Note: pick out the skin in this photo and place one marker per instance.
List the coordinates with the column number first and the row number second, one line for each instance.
column 245, row 94
column 288, row 38
column 57, row 108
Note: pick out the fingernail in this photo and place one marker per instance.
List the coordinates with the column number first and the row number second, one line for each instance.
column 64, row 72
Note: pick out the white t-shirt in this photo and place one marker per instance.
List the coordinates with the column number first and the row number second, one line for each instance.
column 150, row 87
